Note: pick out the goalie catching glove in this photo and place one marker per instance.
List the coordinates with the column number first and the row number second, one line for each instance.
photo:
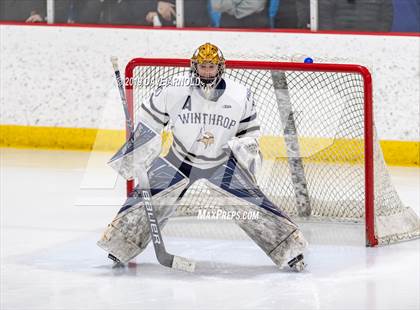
column 247, row 152
column 137, row 153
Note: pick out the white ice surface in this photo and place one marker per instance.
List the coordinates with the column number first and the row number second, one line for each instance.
column 49, row 260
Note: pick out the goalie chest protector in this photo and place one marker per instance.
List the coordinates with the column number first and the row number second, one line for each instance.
column 201, row 127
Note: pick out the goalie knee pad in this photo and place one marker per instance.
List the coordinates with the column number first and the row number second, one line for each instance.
column 272, row 230
column 128, row 234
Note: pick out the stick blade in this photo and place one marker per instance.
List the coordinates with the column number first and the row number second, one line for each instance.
column 183, row 264
column 114, row 61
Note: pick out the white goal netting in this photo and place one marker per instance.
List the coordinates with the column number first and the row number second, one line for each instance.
column 328, row 111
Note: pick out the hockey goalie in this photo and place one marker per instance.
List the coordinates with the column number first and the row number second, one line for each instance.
column 215, row 138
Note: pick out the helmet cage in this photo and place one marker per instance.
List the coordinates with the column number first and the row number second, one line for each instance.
column 208, row 53
column 208, row 82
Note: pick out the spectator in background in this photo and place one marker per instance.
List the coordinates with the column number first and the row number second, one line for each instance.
column 242, row 13
column 294, row 14
column 23, row 10
column 33, row 11
column 364, row 15
column 215, row 16
column 62, row 11
column 195, row 13
column 406, row 16
column 96, row 11
column 128, row 12
column 88, row 11
column 162, row 13
column 35, row 17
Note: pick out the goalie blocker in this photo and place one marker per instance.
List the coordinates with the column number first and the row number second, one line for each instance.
column 128, row 234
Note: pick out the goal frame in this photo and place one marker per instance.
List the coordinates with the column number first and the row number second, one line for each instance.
column 371, row 240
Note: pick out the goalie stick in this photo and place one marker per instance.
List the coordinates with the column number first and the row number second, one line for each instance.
column 163, row 257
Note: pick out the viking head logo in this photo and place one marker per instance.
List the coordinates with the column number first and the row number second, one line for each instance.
column 207, row 139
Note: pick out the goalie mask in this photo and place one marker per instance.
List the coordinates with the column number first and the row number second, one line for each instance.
column 208, row 66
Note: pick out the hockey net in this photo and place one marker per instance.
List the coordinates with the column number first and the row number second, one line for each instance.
column 333, row 145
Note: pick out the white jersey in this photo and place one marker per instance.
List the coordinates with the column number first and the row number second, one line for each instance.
column 201, row 128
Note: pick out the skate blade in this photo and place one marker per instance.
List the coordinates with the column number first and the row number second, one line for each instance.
column 297, row 264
